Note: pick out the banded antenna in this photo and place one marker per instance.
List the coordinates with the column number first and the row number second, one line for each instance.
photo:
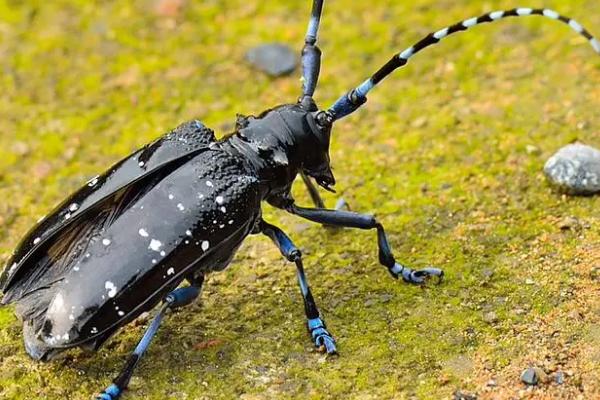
column 311, row 57
column 355, row 98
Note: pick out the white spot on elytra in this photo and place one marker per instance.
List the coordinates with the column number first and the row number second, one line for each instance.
column 230, row 222
column 162, row 253
column 209, row 184
column 171, row 197
column 219, row 199
column 75, row 268
column 67, row 215
column 94, row 330
column 180, row 206
column 141, row 163
column 155, row 245
column 71, row 317
column 74, row 207
column 223, row 210
column 205, row 245
column 36, row 240
column 171, row 271
column 12, row 268
column 143, row 232
column 58, row 304
column 112, row 289
column 105, row 241
column 93, row 181
column 188, row 232
column 121, row 313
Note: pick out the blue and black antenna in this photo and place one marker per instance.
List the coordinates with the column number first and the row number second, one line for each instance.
column 311, row 57
column 356, row 97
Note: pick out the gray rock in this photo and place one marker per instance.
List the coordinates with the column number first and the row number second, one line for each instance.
column 560, row 377
column 575, row 169
column 275, row 59
column 458, row 395
column 530, row 376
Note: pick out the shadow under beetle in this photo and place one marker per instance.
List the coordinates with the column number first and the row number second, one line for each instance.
column 180, row 207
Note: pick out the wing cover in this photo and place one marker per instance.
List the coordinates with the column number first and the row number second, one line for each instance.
column 131, row 247
column 153, row 160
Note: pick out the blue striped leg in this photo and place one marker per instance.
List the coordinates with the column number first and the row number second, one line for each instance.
column 316, row 327
column 349, row 219
column 177, row 298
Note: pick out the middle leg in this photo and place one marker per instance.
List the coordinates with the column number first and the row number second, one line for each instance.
column 316, row 327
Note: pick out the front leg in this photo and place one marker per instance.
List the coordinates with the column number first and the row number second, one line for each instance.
column 313, row 191
column 349, row 219
column 316, row 327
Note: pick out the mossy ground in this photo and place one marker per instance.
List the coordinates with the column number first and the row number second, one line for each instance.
column 440, row 154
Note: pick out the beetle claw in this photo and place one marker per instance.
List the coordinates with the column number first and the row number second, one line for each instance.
column 322, row 339
column 418, row 277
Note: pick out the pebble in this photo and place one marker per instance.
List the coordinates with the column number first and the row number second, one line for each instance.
column 533, row 376
column 569, row 223
column 458, row 395
column 575, row 169
column 490, row 317
column 529, row 377
column 560, row 377
column 275, row 59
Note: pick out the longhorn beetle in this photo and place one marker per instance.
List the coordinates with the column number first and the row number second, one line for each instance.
column 180, row 207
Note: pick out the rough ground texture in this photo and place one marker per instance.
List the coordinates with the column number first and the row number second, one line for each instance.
column 449, row 153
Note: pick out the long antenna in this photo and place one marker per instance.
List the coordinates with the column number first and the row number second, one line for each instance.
column 351, row 101
column 311, row 55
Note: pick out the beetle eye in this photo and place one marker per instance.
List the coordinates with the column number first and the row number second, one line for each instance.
column 324, row 119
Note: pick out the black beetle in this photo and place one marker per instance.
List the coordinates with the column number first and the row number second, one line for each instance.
column 180, row 207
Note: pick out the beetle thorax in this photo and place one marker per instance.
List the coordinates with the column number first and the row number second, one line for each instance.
column 282, row 142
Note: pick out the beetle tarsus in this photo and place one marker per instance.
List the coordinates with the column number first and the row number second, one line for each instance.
column 418, row 277
column 321, row 337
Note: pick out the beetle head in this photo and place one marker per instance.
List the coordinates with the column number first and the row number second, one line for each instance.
column 316, row 162
column 311, row 129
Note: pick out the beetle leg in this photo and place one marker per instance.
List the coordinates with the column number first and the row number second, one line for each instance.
column 178, row 298
column 349, row 219
column 316, row 327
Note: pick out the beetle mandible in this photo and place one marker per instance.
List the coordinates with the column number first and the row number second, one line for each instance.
column 180, row 207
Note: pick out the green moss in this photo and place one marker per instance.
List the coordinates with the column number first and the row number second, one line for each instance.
column 86, row 83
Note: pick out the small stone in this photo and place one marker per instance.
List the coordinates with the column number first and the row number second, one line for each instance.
column 419, row 122
column 275, row 59
column 560, row 378
column 532, row 150
column 487, row 273
column 575, row 169
column 458, row 395
column 491, row 383
column 490, row 317
column 569, row 223
column 595, row 273
column 533, row 376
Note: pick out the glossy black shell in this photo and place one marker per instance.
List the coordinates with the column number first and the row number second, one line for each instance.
column 176, row 209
